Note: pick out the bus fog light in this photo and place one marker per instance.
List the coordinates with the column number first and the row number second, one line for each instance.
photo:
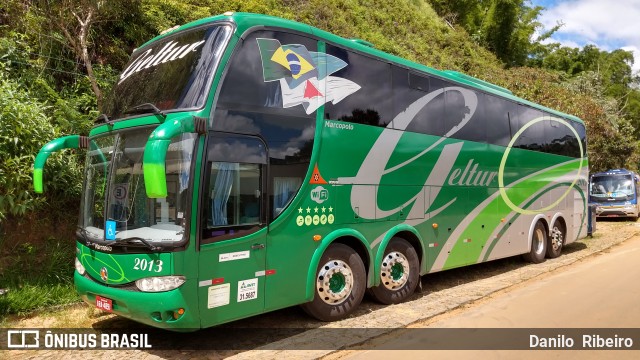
column 79, row 268
column 178, row 313
column 160, row 283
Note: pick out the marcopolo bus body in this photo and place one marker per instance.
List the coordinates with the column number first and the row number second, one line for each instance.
column 246, row 163
column 615, row 193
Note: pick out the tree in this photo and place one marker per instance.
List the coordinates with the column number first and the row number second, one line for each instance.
column 74, row 19
column 505, row 27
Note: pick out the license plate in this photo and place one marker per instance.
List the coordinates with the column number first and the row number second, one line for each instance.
column 104, row 304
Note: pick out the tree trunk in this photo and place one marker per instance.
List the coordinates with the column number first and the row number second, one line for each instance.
column 84, row 52
column 79, row 44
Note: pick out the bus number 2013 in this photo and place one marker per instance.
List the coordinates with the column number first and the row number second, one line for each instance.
column 148, row 265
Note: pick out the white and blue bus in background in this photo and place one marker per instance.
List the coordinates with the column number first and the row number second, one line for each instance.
column 615, row 193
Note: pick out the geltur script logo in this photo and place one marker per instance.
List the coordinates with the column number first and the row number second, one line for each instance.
column 168, row 53
column 374, row 166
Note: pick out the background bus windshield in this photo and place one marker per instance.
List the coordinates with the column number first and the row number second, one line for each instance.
column 612, row 186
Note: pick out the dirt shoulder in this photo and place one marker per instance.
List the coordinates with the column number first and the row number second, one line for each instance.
column 442, row 293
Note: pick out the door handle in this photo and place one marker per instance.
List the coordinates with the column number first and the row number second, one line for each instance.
column 257, row 246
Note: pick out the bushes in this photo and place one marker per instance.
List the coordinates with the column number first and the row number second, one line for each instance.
column 24, row 129
column 28, row 245
column 37, row 276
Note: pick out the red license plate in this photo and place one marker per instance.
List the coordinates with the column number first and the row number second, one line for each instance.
column 104, row 304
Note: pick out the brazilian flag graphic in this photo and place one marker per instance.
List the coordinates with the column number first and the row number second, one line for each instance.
column 292, row 62
column 304, row 76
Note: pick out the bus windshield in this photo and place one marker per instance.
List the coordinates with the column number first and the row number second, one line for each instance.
column 612, row 186
column 114, row 189
column 173, row 73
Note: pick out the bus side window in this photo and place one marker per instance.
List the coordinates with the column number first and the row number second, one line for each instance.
column 406, row 90
column 533, row 137
column 560, row 138
column 372, row 103
column 407, row 87
column 234, row 194
column 500, row 118
column 456, row 109
column 234, row 201
column 583, row 138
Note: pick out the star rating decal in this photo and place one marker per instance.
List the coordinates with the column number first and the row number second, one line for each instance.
column 320, row 218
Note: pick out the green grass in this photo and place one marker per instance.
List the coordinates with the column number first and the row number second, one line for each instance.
column 37, row 277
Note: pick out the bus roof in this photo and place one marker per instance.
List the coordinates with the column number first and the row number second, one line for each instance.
column 245, row 21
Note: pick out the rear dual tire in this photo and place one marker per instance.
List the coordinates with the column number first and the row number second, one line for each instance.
column 340, row 280
column 399, row 273
column 539, row 243
column 556, row 240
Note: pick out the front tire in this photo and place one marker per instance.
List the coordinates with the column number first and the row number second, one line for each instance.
column 538, row 244
column 556, row 240
column 399, row 273
column 340, row 284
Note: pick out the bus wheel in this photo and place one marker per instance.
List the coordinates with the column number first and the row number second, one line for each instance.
column 340, row 284
column 399, row 273
column 538, row 244
column 556, row 240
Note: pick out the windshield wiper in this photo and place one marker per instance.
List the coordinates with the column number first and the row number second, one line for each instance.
column 83, row 232
column 103, row 118
column 135, row 238
column 145, row 109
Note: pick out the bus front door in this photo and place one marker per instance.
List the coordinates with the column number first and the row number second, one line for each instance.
column 233, row 239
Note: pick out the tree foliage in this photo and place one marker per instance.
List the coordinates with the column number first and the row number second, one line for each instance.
column 610, row 71
column 505, row 27
column 25, row 129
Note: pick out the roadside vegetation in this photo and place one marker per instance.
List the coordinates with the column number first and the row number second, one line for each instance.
column 40, row 276
column 59, row 58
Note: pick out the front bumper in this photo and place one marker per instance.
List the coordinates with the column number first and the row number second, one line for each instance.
column 616, row 211
column 154, row 309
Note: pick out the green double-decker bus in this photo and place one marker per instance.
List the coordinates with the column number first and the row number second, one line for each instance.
column 247, row 163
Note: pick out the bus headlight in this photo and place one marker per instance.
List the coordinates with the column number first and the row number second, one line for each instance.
column 79, row 268
column 160, row 283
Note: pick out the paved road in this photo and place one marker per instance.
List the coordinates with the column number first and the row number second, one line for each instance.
column 602, row 291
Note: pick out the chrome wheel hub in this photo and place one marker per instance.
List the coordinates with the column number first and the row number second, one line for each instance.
column 334, row 282
column 556, row 238
column 394, row 272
